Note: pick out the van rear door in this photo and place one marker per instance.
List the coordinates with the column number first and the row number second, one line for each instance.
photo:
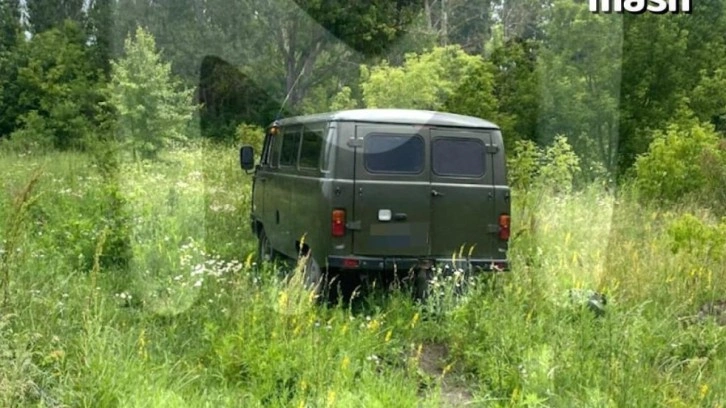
column 463, row 211
column 392, row 191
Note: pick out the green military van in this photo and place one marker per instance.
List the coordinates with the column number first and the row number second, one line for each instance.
column 381, row 190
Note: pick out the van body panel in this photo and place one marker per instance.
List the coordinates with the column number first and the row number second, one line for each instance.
column 391, row 178
column 414, row 185
column 463, row 217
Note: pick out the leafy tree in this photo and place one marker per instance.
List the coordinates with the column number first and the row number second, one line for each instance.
column 425, row 81
column 367, row 26
column 516, row 86
column 308, row 36
column 476, row 97
column 10, row 34
column 46, row 14
column 57, row 87
column 152, row 111
column 521, row 19
column 670, row 60
column 580, row 77
column 672, row 168
column 654, row 66
column 229, row 97
column 100, row 29
column 709, row 98
column 10, row 29
column 344, row 100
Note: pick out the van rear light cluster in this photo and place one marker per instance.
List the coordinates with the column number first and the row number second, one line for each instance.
column 338, row 225
column 504, row 227
column 350, row 263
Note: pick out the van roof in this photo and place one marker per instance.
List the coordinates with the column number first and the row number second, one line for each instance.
column 398, row 116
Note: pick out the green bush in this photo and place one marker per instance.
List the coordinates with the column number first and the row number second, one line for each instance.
column 552, row 168
column 673, row 168
column 692, row 236
column 250, row 135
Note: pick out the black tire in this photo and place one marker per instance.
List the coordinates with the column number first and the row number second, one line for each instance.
column 265, row 253
column 313, row 276
column 421, row 283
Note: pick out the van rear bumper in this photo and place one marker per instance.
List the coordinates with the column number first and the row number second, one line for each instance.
column 403, row 264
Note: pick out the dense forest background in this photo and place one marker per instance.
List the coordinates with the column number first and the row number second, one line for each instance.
column 610, row 83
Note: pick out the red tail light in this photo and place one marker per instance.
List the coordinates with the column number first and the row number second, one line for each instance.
column 338, row 227
column 504, row 227
column 350, row 263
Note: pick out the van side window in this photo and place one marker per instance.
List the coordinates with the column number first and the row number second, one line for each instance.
column 266, row 148
column 393, row 153
column 290, row 146
column 312, row 145
column 458, row 157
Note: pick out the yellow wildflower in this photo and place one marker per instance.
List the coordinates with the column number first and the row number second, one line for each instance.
column 346, row 362
column 331, row 398
column 414, row 320
column 374, row 324
column 704, row 391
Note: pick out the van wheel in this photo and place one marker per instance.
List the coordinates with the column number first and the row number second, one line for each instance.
column 422, row 283
column 265, row 253
column 313, row 276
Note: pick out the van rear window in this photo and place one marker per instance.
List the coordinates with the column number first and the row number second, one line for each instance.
column 394, row 153
column 458, row 157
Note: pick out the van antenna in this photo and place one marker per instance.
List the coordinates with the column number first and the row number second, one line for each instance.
column 277, row 117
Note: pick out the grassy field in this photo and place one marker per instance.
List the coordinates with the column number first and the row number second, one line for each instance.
column 139, row 290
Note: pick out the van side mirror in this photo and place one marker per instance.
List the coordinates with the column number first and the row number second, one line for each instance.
column 247, row 158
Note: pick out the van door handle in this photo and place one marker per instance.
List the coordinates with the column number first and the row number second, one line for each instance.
column 435, row 193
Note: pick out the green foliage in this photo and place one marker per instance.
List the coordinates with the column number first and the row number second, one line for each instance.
column 10, row 33
column 425, row 81
column 536, row 172
column 343, row 100
column 695, row 238
column 250, row 135
column 552, row 169
column 579, row 83
column 475, row 95
column 56, row 90
column 656, row 79
column 152, row 112
column 515, row 88
column 368, row 27
column 48, row 14
column 34, row 135
column 709, row 99
column 672, row 168
column 10, row 30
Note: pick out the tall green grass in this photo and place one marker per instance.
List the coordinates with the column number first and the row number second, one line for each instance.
column 189, row 320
